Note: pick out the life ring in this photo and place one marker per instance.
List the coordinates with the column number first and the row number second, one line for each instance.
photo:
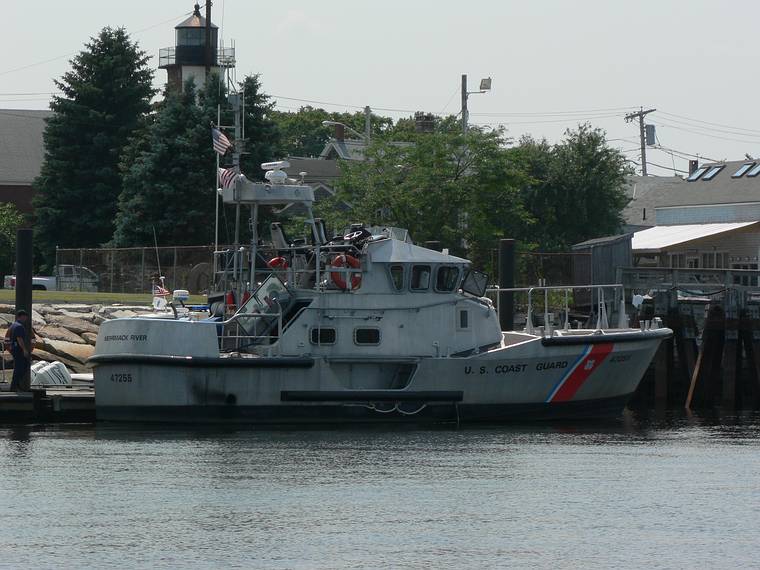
column 338, row 277
column 278, row 262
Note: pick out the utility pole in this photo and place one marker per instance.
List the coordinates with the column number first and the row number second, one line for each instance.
column 208, row 37
column 367, row 124
column 640, row 114
column 464, row 104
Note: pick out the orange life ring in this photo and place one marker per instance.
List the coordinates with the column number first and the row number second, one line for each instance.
column 338, row 277
column 278, row 263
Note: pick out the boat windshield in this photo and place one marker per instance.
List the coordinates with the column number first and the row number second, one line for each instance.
column 475, row 283
column 268, row 298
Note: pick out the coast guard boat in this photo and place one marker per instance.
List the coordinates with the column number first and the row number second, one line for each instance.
column 363, row 327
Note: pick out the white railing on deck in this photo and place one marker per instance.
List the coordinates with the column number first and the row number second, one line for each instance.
column 602, row 314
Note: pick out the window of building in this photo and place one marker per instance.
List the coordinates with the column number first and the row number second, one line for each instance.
column 714, row 260
column 367, row 336
column 746, row 280
column 677, row 260
column 420, row 278
column 713, row 171
column 321, row 335
column 446, row 278
column 696, row 174
column 397, row 277
column 743, row 170
column 754, row 172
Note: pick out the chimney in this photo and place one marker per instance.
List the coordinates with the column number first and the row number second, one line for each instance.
column 424, row 122
column 693, row 166
column 340, row 133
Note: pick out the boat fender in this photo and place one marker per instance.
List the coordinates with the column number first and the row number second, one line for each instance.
column 278, row 262
column 338, row 277
column 229, row 301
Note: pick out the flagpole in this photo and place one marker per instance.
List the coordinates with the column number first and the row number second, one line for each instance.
column 216, row 202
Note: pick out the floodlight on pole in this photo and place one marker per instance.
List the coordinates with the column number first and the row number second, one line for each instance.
column 485, row 86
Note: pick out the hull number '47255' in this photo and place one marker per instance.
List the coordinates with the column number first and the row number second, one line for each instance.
column 121, row 377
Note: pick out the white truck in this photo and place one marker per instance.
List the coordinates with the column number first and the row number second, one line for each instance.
column 64, row 278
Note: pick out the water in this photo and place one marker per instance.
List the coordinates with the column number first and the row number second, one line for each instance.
column 650, row 494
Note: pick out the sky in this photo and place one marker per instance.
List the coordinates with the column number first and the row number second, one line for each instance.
column 553, row 63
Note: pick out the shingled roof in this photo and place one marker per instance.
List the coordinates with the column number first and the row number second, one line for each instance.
column 21, row 145
column 722, row 188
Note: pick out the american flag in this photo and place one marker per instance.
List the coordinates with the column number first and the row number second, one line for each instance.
column 221, row 142
column 227, row 177
column 160, row 291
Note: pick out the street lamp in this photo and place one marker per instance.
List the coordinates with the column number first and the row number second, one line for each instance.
column 485, row 86
column 345, row 126
column 367, row 125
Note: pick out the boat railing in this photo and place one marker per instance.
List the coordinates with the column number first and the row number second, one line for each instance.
column 233, row 336
column 599, row 295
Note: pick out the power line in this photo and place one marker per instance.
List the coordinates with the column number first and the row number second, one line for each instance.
column 553, row 113
column 713, row 129
column 709, row 123
column 709, row 134
column 56, row 58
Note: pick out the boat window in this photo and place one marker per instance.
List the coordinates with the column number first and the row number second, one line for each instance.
column 420, row 278
column 323, row 335
column 367, row 336
column 446, row 279
column 754, row 172
column 475, row 283
column 743, row 169
column 713, row 171
column 397, row 277
column 464, row 318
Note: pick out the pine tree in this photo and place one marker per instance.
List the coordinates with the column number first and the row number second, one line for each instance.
column 169, row 168
column 104, row 97
column 169, row 177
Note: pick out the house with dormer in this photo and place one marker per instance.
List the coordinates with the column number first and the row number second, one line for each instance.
column 709, row 219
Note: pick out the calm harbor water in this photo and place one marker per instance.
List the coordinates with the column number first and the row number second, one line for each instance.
column 673, row 493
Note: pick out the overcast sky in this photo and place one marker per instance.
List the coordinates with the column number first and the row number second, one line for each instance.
column 553, row 63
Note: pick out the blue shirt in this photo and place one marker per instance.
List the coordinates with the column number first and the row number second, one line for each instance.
column 17, row 332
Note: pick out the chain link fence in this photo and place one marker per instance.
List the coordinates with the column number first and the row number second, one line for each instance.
column 542, row 268
column 132, row 270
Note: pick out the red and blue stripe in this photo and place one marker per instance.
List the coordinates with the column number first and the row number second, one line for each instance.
column 590, row 359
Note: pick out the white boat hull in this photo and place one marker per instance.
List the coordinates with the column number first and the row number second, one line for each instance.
column 558, row 377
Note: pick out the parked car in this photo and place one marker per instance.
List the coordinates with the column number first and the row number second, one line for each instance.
column 64, row 278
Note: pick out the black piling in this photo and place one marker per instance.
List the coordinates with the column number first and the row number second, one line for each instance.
column 24, row 272
column 506, row 281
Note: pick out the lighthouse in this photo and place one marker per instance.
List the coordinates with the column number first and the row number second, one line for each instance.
column 190, row 57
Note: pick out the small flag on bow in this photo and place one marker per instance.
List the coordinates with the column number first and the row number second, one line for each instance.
column 221, row 142
column 227, row 177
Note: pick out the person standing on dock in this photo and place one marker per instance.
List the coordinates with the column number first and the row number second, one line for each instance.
column 20, row 349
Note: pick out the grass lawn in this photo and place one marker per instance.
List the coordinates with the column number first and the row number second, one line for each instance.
column 8, row 296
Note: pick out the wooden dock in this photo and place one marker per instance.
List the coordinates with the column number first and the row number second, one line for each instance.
column 713, row 359
column 58, row 405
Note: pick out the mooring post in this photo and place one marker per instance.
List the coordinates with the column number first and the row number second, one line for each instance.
column 24, row 266
column 730, row 346
column 752, row 349
column 506, row 281
column 701, row 386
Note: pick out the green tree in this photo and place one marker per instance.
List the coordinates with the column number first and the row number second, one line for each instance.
column 574, row 188
column 586, row 180
column 303, row 134
column 10, row 220
column 168, row 177
column 104, row 96
column 169, row 168
column 462, row 191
